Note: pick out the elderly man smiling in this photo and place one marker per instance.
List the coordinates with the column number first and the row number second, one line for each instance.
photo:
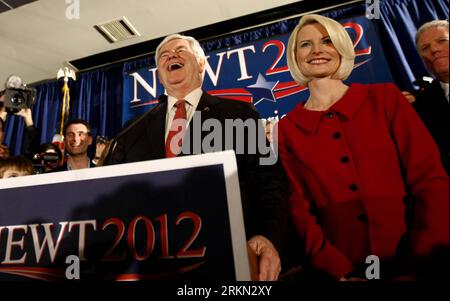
column 160, row 134
column 432, row 102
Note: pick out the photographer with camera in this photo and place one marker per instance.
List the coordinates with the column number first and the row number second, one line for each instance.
column 17, row 95
column 17, row 99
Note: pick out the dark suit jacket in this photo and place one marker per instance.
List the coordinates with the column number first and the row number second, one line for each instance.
column 263, row 187
column 433, row 107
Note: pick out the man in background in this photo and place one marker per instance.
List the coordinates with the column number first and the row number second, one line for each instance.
column 432, row 101
column 77, row 138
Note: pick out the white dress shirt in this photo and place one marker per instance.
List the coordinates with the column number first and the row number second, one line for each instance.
column 192, row 100
column 445, row 88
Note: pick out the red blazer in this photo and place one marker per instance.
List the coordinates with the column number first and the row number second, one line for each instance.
column 348, row 168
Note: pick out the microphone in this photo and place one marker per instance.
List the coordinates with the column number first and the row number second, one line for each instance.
column 13, row 81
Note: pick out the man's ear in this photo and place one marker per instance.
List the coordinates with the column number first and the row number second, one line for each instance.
column 90, row 140
column 201, row 64
column 161, row 79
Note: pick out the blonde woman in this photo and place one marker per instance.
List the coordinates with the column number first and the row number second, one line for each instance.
column 352, row 154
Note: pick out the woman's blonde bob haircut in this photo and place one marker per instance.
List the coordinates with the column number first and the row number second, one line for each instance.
column 341, row 41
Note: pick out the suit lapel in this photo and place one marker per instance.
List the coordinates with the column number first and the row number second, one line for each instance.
column 206, row 109
column 155, row 128
column 439, row 96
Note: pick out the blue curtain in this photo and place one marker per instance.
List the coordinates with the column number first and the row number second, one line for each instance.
column 398, row 25
column 45, row 112
column 96, row 96
column 47, row 109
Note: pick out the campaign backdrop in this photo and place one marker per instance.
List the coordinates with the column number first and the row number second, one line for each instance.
column 257, row 73
column 162, row 220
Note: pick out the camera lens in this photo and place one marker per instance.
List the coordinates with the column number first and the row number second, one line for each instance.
column 17, row 99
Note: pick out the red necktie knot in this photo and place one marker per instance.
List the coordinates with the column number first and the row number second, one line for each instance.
column 177, row 128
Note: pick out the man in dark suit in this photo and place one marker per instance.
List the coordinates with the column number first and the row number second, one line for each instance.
column 432, row 100
column 175, row 127
column 4, row 151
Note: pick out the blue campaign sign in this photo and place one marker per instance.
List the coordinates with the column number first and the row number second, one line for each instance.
column 258, row 73
column 166, row 219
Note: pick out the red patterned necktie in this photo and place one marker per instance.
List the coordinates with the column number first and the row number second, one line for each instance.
column 174, row 138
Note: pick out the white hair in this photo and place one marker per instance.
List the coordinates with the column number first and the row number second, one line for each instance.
column 428, row 25
column 195, row 45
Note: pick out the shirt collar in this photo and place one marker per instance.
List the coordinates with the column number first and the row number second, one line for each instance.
column 347, row 107
column 192, row 98
column 444, row 87
column 69, row 167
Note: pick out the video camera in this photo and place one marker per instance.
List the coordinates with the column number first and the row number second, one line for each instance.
column 40, row 161
column 16, row 99
column 47, row 158
column 17, row 95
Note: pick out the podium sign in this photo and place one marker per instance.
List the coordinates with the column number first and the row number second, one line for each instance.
column 165, row 219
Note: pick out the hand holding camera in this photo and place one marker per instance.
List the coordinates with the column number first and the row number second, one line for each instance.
column 27, row 116
column 17, row 99
column 101, row 144
column 17, row 95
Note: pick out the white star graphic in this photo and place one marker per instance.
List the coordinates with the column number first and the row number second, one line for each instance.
column 262, row 89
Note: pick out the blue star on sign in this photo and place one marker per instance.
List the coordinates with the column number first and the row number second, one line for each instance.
column 262, row 89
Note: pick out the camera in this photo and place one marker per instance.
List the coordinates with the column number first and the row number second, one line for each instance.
column 47, row 157
column 15, row 99
column 101, row 140
column 45, row 160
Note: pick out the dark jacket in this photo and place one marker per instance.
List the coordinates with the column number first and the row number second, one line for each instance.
column 263, row 187
column 433, row 107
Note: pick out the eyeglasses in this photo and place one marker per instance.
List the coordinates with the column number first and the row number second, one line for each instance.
column 71, row 135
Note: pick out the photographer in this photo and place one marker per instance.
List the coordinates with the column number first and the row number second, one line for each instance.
column 47, row 158
column 17, row 99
